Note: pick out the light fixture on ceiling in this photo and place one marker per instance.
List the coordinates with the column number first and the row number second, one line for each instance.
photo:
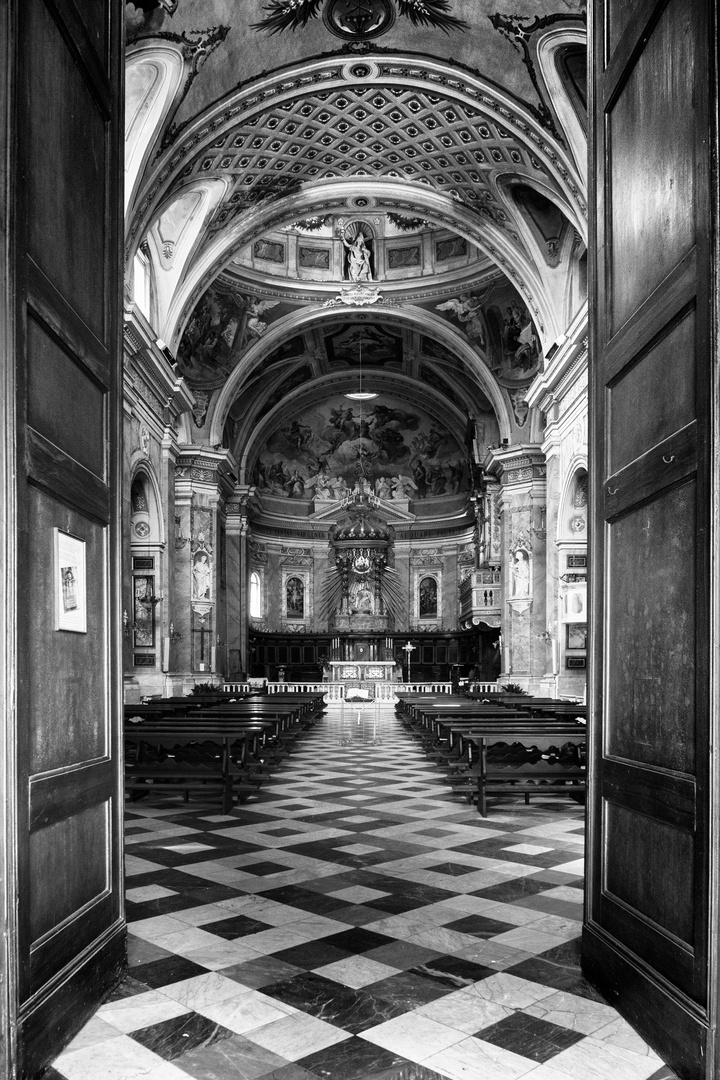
column 360, row 394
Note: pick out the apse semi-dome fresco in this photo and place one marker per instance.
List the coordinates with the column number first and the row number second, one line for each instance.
column 383, row 447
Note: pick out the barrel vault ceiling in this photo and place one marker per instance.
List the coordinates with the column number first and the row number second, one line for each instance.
column 458, row 147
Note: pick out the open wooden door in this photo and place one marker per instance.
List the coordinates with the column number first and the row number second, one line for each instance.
column 649, row 937
column 61, row 245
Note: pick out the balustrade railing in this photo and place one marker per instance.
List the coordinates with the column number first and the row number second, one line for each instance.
column 335, row 691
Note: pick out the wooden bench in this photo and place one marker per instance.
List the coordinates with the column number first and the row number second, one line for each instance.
column 207, row 760
column 543, row 758
column 510, row 739
column 228, row 748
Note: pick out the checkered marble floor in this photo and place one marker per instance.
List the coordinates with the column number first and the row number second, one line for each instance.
column 355, row 921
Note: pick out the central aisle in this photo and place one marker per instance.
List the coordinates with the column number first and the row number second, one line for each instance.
column 356, row 921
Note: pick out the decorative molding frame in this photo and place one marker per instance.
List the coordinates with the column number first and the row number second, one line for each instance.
column 429, row 622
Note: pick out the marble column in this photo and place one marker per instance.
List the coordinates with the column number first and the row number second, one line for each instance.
column 237, row 582
column 521, row 471
column 204, row 479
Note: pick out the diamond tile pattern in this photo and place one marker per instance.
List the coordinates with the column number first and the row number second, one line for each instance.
column 270, row 943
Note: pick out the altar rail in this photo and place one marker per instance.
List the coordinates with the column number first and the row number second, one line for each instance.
column 335, row 691
column 424, row 688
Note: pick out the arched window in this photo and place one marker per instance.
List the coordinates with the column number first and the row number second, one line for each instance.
column 428, row 598
column 255, row 596
column 295, row 598
column 142, row 283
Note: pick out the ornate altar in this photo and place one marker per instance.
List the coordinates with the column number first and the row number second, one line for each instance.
column 362, row 593
column 362, row 670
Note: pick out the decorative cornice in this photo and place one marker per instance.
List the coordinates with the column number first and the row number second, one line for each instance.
column 516, row 464
column 567, row 363
column 207, row 466
column 149, row 371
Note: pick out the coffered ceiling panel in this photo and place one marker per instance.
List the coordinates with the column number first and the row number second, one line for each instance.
column 393, row 131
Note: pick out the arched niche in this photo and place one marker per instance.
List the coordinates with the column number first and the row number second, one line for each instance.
column 143, row 617
column 573, row 516
column 146, row 519
column 573, row 571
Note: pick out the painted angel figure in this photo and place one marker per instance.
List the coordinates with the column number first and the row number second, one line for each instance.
column 254, row 326
column 468, row 312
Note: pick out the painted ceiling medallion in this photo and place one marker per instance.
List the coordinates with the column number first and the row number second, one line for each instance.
column 358, row 19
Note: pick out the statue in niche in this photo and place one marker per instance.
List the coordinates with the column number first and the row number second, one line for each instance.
column 521, row 574
column 580, row 494
column 358, row 258
column 201, row 575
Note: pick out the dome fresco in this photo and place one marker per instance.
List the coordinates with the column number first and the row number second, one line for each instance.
column 387, row 448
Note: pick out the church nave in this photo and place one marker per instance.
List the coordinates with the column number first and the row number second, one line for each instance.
column 355, row 921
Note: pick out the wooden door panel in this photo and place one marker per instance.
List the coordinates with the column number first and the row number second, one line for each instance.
column 664, row 374
column 645, row 936
column 661, row 886
column 68, row 709
column 60, row 386
column 94, row 19
column 67, row 241
column 668, row 463
column 651, row 209
column 51, row 848
column 71, row 248
column 650, row 605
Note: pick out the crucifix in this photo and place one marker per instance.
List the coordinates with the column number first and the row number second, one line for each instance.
column 409, row 650
column 202, row 632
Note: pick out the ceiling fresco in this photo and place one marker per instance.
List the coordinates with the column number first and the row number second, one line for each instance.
column 223, row 325
column 444, row 132
column 496, row 50
column 383, row 447
column 358, row 20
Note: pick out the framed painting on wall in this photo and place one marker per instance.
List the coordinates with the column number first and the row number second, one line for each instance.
column 143, row 610
column 70, row 586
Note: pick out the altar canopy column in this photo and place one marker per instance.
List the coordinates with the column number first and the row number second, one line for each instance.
column 204, row 481
column 521, row 471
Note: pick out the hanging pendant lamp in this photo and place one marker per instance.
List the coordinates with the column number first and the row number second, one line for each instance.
column 360, row 394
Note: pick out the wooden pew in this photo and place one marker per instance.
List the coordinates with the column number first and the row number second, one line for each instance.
column 207, row 760
column 497, row 732
column 224, row 746
column 502, row 768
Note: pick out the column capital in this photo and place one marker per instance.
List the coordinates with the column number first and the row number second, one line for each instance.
column 517, row 464
column 205, row 469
